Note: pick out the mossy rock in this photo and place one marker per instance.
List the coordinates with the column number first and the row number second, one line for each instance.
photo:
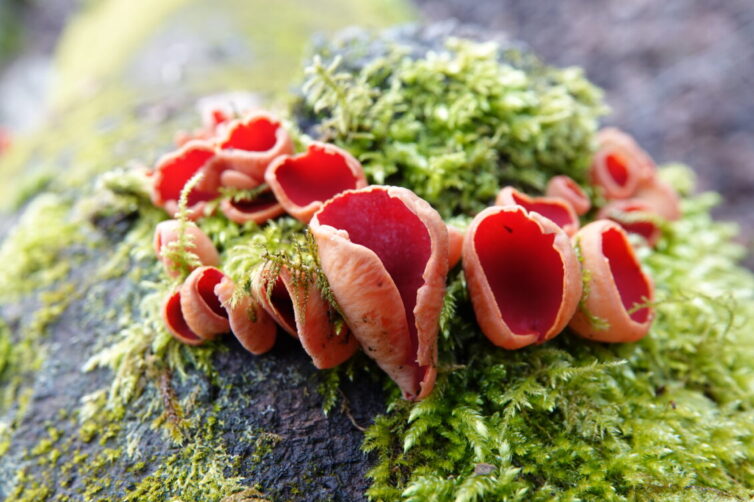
column 97, row 401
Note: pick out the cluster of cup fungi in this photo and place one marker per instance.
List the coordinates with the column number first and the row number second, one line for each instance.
column 531, row 269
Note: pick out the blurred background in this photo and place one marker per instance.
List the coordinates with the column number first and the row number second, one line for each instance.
column 678, row 74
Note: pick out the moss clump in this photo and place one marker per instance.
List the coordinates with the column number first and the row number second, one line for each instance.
column 454, row 123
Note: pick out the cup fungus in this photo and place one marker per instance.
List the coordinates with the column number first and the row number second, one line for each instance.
column 303, row 182
column 567, row 189
column 249, row 322
column 523, row 276
column 231, row 178
column 661, row 197
column 296, row 304
column 250, row 144
column 199, row 244
column 259, row 209
column 619, row 165
column 201, row 308
column 384, row 252
column 172, row 316
column 175, row 169
column 553, row 208
column 635, row 216
column 613, row 309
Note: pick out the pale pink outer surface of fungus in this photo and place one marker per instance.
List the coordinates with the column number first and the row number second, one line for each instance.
column 617, row 285
column 200, row 305
column 172, row 316
column 236, row 179
column 297, row 304
column 303, row 182
column 566, row 188
column 556, row 209
column 620, row 164
column 249, row 322
column 620, row 211
column 249, row 145
column 523, row 276
column 175, row 169
column 661, row 197
column 384, row 252
column 168, row 231
column 455, row 245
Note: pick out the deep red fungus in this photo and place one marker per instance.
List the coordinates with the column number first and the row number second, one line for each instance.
column 523, row 276
column 555, row 209
column 385, row 254
column 303, row 182
column 617, row 286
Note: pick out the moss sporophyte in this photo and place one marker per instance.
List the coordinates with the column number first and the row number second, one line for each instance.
column 453, row 121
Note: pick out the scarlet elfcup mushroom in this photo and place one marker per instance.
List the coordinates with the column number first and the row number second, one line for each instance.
column 201, row 308
column 567, row 189
column 553, row 208
column 172, row 316
column 384, row 252
column 250, row 144
column 628, row 213
column 175, row 169
column 523, row 276
column 303, row 182
column 614, row 309
column 298, row 307
column 249, row 322
column 661, row 197
column 258, row 209
column 199, row 244
column 619, row 165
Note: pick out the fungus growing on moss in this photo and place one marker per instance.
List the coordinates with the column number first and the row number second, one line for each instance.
column 618, row 289
column 249, row 322
column 250, row 144
column 661, row 197
column 260, row 208
column 302, row 183
column 558, row 210
column 296, row 304
column 175, row 169
column 635, row 216
column 384, row 252
column 523, row 276
column 200, row 305
column 619, row 165
column 172, row 315
column 168, row 232
column 566, row 188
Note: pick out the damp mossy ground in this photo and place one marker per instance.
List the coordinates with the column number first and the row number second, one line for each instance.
column 667, row 418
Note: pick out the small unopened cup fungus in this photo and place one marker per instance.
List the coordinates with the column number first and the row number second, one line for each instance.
column 168, row 232
column 615, row 307
column 523, row 276
column 556, row 209
column 303, row 182
column 385, row 254
column 567, row 189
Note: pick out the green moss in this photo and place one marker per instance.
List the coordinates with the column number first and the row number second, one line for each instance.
column 455, row 124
